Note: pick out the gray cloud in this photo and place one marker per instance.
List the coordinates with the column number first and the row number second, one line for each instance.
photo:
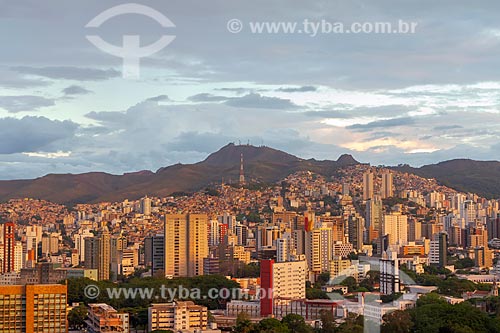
column 76, row 90
column 30, row 134
column 11, row 79
column 105, row 116
column 447, row 127
column 206, row 97
column 395, row 122
column 298, row 89
column 381, row 134
column 238, row 91
column 346, row 111
column 258, row 101
column 69, row 73
column 329, row 114
column 159, row 98
column 14, row 104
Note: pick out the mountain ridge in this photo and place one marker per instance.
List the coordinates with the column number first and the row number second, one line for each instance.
column 261, row 164
column 462, row 174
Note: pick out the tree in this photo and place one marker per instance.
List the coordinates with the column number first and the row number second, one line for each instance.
column 397, row 322
column 323, row 278
column 243, row 324
column 315, row 293
column 352, row 324
column 76, row 317
column 350, row 283
column 327, row 321
column 431, row 298
column 433, row 314
column 296, row 324
column 464, row 263
column 271, row 325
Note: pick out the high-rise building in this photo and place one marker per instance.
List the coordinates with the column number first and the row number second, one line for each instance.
column 197, row 243
column 493, row 226
column 455, row 234
column 355, row 231
column 118, row 243
column 186, row 244
column 318, row 249
column 468, row 212
column 50, row 243
column 213, row 233
column 280, row 283
column 79, row 240
column 18, row 257
column 98, row 254
column 146, row 206
column 374, row 214
column 176, row 245
column 154, row 253
column 387, row 185
column 414, row 230
column 91, row 253
column 241, row 234
column 367, row 185
column 438, row 249
column 267, row 236
column 389, row 275
column 483, row 257
column 33, row 238
column 104, row 254
column 178, row 316
column 285, row 248
column 395, row 226
column 9, row 243
column 33, row 308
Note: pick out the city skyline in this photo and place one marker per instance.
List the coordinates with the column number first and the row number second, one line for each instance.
column 418, row 98
column 235, row 166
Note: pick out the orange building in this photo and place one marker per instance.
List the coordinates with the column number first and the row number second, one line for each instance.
column 412, row 250
column 33, row 308
column 104, row 318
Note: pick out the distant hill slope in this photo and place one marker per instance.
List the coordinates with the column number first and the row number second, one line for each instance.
column 481, row 177
column 260, row 163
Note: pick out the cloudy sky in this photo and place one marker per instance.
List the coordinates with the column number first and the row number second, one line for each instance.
column 385, row 98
